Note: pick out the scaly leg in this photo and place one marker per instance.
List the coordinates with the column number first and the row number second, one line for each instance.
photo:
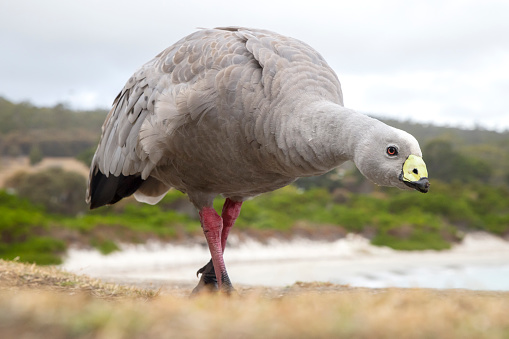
column 209, row 277
column 230, row 213
column 212, row 225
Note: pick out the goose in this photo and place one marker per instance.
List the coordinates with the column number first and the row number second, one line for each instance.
column 238, row 112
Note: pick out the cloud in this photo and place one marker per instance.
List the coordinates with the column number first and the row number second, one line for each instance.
column 445, row 60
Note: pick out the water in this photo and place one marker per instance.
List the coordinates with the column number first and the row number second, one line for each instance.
column 489, row 277
column 481, row 262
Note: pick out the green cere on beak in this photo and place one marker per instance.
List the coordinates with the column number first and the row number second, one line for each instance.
column 415, row 174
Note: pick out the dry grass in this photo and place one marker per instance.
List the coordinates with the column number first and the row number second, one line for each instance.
column 17, row 278
column 38, row 302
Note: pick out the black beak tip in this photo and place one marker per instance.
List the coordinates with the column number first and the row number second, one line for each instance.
column 422, row 185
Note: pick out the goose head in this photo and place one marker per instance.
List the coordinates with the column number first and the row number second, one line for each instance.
column 391, row 157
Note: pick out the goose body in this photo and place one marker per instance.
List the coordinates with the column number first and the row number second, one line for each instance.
column 238, row 112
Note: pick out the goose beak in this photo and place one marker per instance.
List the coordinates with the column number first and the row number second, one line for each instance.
column 414, row 174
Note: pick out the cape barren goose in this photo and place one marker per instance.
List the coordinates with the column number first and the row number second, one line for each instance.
column 238, row 112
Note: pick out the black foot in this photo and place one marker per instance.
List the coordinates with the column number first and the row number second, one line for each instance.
column 226, row 284
column 208, row 281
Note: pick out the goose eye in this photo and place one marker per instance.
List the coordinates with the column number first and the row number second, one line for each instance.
column 392, row 151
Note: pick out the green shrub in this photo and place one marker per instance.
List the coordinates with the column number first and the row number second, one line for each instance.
column 39, row 250
column 58, row 191
column 105, row 246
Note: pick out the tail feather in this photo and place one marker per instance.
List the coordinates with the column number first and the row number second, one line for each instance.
column 108, row 190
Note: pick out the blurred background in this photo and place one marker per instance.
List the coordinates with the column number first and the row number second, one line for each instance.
column 437, row 69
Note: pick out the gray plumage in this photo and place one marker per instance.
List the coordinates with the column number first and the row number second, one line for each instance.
column 238, row 112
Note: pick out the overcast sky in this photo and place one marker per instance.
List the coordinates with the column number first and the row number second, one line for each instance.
column 443, row 61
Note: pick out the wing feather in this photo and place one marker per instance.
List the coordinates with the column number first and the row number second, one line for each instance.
column 201, row 75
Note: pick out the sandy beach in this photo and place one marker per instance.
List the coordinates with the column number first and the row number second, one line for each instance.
column 480, row 262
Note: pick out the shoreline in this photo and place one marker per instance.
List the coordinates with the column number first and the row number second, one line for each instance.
column 480, row 262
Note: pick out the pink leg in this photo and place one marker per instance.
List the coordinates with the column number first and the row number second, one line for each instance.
column 212, row 225
column 216, row 231
column 231, row 211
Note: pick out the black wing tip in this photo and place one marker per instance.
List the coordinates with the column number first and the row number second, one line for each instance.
column 95, row 204
column 107, row 190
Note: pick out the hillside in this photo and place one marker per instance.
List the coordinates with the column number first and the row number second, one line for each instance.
column 57, row 131
column 25, row 126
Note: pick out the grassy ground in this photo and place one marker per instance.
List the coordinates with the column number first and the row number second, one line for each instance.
column 43, row 302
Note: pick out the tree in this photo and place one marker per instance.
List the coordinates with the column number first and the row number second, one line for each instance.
column 444, row 163
column 35, row 155
column 87, row 155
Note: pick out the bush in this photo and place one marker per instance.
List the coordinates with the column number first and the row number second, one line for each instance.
column 58, row 191
column 35, row 156
column 87, row 155
column 38, row 250
column 23, row 229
